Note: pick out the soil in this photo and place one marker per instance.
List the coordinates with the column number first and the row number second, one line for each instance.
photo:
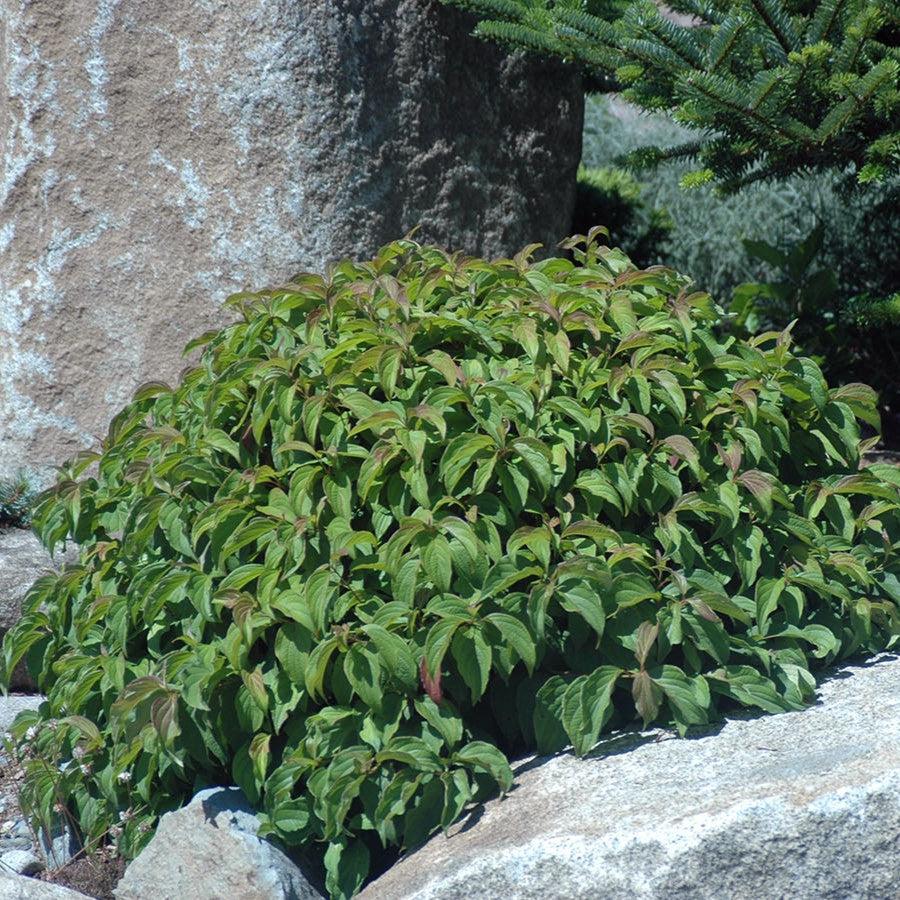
column 96, row 875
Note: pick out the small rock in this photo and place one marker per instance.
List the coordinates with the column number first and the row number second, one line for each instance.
column 209, row 850
column 11, row 842
column 22, row 862
column 20, row 887
column 60, row 847
column 13, row 704
column 15, row 835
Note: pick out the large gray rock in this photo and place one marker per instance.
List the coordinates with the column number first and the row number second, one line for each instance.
column 209, row 850
column 158, row 156
column 804, row 805
column 22, row 560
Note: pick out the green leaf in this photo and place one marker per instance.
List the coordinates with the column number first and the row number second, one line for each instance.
column 537, row 459
column 583, row 600
column 460, row 454
column 396, row 654
column 472, row 655
column 346, row 867
column 437, row 643
column 587, row 707
column 550, row 735
column 363, row 671
column 825, row 641
column 445, row 721
column 647, row 696
column 164, row 717
column 488, row 758
column 644, row 641
column 683, row 447
column 457, row 793
column 259, row 756
column 768, row 592
column 438, row 562
column 515, row 635
column 413, row 752
column 750, row 687
column 317, row 666
column 254, row 683
column 688, row 697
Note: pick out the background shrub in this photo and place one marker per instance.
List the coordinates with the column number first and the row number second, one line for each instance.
column 737, row 247
column 614, row 196
column 16, row 496
column 428, row 511
column 708, row 230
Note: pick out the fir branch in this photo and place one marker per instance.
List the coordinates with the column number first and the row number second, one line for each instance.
column 777, row 22
column 724, row 42
column 520, row 36
column 590, row 26
column 824, row 20
column 767, row 92
column 886, row 70
column 719, row 91
column 764, row 86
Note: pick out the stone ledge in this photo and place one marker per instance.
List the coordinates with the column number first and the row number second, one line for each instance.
column 802, row 805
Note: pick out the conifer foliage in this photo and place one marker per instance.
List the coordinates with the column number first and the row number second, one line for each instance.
column 772, row 88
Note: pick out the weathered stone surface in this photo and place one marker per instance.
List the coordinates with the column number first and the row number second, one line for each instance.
column 803, row 805
column 209, row 851
column 22, row 560
column 159, row 156
column 22, row 862
column 18, row 887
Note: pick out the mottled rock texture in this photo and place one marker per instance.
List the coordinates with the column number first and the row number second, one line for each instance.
column 22, row 560
column 209, row 851
column 804, row 805
column 18, row 887
column 158, row 156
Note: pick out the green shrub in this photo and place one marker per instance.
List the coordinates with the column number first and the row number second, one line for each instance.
column 613, row 197
column 845, row 333
column 16, row 496
column 427, row 511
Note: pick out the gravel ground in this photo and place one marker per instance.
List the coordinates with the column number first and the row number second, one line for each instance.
column 17, row 849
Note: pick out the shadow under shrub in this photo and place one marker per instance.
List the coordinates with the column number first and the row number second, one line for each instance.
column 428, row 510
column 613, row 196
